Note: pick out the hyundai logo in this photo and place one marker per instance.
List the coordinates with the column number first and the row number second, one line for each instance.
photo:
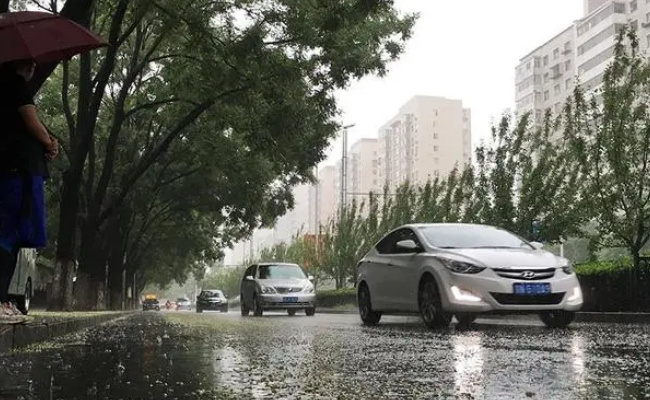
column 528, row 275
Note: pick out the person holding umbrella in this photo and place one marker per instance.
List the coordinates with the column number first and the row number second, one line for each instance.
column 26, row 145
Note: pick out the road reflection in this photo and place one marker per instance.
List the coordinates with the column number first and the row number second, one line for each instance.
column 468, row 356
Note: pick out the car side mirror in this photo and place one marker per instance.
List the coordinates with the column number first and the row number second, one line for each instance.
column 408, row 245
column 310, row 277
column 250, row 278
column 537, row 245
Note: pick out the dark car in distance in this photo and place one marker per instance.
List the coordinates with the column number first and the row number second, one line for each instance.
column 211, row 300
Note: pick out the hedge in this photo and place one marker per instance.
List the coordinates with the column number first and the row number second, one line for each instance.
column 607, row 286
column 336, row 298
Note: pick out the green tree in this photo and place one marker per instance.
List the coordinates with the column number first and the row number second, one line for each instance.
column 282, row 67
column 609, row 132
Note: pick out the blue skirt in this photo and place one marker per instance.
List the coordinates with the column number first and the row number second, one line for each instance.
column 22, row 212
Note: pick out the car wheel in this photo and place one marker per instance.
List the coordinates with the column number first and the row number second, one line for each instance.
column 243, row 307
column 23, row 302
column 431, row 305
column 258, row 311
column 368, row 316
column 291, row 312
column 224, row 310
column 557, row 318
column 466, row 319
column 310, row 311
column 199, row 310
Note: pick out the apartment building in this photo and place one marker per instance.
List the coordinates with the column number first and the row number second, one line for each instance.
column 298, row 218
column 427, row 138
column 546, row 77
column 327, row 198
column 363, row 169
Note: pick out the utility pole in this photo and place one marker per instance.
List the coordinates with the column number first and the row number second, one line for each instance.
column 250, row 250
column 344, row 168
column 316, row 202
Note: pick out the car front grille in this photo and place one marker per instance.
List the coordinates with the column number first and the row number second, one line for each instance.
column 525, row 274
column 280, row 289
column 523, row 299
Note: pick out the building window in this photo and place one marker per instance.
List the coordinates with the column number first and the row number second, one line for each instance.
column 546, row 77
column 546, row 95
column 567, row 84
column 435, row 148
column 528, row 66
column 634, row 25
column 633, row 6
column 556, row 89
column 545, row 60
column 537, row 62
column 556, row 53
column 435, row 136
column 567, row 65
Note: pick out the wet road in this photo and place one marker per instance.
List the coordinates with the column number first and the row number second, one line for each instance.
column 225, row 356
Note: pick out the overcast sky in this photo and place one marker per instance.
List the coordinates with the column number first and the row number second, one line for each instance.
column 462, row 49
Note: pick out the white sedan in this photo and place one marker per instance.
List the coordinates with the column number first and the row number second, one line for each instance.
column 441, row 270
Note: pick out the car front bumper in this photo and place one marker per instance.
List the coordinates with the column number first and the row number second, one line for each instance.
column 214, row 306
column 288, row 301
column 465, row 293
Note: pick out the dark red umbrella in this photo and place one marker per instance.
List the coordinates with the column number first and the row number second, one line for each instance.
column 43, row 37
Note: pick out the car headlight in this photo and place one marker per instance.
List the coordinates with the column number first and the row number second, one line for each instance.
column 267, row 289
column 460, row 267
column 568, row 269
column 308, row 289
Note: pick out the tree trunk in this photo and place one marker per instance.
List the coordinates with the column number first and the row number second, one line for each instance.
column 61, row 295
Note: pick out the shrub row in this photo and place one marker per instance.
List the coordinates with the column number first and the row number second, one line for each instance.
column 607, row 286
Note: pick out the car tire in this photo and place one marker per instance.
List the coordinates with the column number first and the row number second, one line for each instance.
column 430, row 305
column 368, row 316
column 224, row 310
column 310, row 311
column 466, row 319
column 23, row 302
column 258, row 311
column 199, row 310
column 243, row 307
column 557, row 319
column 291, row 312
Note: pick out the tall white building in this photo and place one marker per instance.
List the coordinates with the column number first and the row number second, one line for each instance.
column 297, row 219
column 427, row 138
column 546, row 77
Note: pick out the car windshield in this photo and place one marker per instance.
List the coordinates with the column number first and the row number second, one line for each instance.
column 472, row 237
column 213, row 293
column 182, row 300
column 281, row 272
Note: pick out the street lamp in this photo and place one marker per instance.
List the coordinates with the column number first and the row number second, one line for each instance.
column 344, row 166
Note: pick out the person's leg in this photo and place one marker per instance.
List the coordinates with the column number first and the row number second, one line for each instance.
column 10, row 197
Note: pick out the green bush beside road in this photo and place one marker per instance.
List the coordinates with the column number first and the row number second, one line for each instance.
column 607, row 286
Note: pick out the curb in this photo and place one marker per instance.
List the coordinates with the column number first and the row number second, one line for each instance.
column 605, row 317
column 20, row 335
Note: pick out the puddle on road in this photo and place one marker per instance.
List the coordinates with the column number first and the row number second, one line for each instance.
column 234, row 358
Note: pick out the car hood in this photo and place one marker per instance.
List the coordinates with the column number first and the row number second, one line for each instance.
column 509, row 258
column 284, row 282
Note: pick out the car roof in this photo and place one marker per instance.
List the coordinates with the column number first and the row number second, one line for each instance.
column 276, row 263
column 442, row 224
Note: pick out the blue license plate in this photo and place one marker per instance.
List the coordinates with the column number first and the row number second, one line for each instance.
column 531, row 289
column 289, row 299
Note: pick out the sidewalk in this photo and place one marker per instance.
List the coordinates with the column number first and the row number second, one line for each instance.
column 604, row 317
column 45, row 326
